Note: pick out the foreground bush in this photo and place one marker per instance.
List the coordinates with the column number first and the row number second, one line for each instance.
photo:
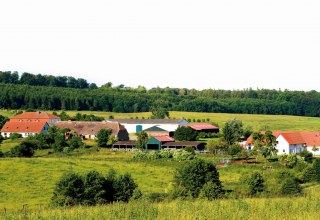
column 254, row 182
column 192, row 177
column 25, row 149
column 92, row 188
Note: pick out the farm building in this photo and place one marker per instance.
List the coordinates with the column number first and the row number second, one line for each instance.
column 156, row 143
column 157, row 131
column 294, row 142
column 183, row 144
column 203, row 127
column 124, row 145
column 89, row 130
column 137, row 125
column 36, row 117
column 25, row 128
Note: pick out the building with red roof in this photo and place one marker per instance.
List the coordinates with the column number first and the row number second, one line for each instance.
column 90, row 129
column 25, row 128
column 289, row 142
column 36, row 117
column 202, row 127
column 155, row 143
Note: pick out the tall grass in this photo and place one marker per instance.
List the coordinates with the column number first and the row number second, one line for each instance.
column 277, row 208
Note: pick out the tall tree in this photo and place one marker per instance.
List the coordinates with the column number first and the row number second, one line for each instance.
column 232, row 131
column 159, row 110
column 103, row 137
column 142, row 139
column 185, row 133
column 265, row 143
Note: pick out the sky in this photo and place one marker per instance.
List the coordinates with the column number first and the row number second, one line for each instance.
column 229, row 44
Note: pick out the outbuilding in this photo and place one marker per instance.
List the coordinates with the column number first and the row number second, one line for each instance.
column 155, row 143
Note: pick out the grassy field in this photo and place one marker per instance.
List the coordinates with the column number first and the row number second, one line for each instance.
column 273, row 122
column 27, row 184
column 277, row 208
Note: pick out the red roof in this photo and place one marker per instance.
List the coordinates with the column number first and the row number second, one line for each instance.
column 163, row 138
column 274, row 133
column 296, row 137
column 200, row 126
column 293, row 138
column 311, row 138
column 23, row 127
column 35, row 115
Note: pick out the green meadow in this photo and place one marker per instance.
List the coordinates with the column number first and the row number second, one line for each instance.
column 256, row 122
column 27, row 184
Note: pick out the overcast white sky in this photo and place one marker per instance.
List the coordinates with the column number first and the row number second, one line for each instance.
column 227, row 44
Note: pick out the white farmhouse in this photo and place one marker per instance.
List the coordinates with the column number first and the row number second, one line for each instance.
column 290, row 143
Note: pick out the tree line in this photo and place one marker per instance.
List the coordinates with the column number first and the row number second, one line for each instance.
column 44, row 80
column 17, row 95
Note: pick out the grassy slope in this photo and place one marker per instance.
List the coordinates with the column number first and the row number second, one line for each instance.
column 31, row 181
column 274, row 122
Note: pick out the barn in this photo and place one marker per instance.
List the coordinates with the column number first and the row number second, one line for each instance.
column 137, row 125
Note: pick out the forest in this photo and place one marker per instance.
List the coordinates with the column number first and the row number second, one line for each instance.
column 46, row 92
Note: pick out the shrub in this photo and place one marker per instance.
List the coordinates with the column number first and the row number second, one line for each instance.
column 156, row 197
column 124, row 186
column 290, row 186
column 75, row 142
column 165, row 154
column 153, row 155
column 103, row 137
column 234, row 149
column 14, row 136
column 287, row 184
column 92, row 188
column 140, row 155
column 25, row 149
column 306, row 155
column 316, row 167
column 69, row 190
column 96, row 189
column 210, row 191
column 308, row 174
column 193, row 175
column 1, row 154
column 136, row 194
column 185, row 133
column 182, row 155
column 255, row 183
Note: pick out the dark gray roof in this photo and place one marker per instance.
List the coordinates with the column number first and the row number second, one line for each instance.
column 154, row 128
column 147, row 121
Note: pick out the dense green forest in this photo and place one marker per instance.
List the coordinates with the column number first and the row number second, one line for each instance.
column 19, row 93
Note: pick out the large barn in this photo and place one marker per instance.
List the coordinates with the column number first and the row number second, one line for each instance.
column 89, row 130
column 137, row 125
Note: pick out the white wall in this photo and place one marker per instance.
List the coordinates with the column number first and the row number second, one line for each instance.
column 284, row 147
column 309, row 148
column 131, row 128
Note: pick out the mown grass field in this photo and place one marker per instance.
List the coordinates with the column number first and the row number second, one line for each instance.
column 273, row 122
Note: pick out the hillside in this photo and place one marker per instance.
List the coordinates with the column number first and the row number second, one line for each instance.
column 256, row 122
column 66, row 93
